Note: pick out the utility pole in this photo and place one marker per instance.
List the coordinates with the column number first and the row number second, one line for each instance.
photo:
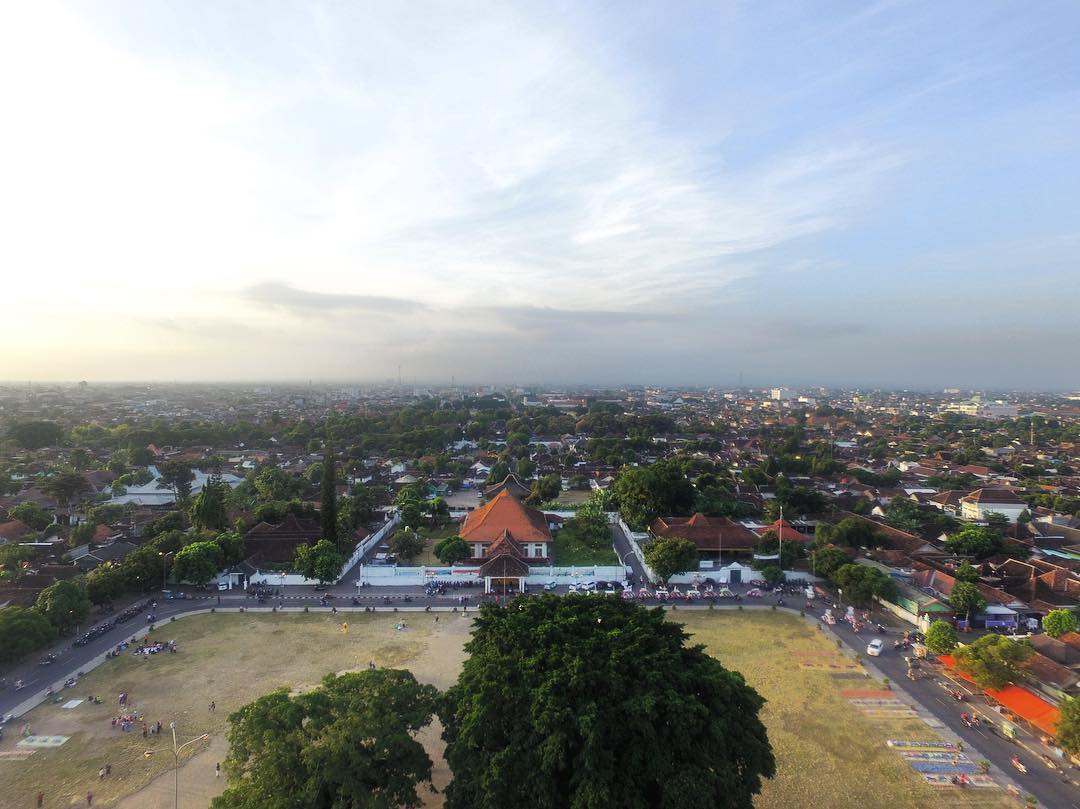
column 780, row 543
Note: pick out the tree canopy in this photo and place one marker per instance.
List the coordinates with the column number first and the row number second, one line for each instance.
column 1059, row 622
column 350, row 744
column 578, row 702
column 207, row 510
column 974, row 540
column 861, row 583
column 647, row 492
column 992, row 661
column 1067, row 732
column 850, row 532
column 827, row 561
column 452, row 549
column 941, row 637
column 670, row 555
column 22, row 631
column 966, row 599
column 198, row 563
column 321, row 561
column 64, row 604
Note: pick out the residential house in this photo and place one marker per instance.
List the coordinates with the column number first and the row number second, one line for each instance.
column 982, row 502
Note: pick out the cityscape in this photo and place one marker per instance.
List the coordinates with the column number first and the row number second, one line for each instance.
column 559, row 406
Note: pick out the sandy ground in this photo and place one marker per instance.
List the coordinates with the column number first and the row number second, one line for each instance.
column 257, row 654
column 828, row 754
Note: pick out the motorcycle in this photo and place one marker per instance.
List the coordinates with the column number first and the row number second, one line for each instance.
column 1018, row 764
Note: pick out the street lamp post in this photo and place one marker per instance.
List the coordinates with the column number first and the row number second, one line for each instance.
column 164, row 556
column 176, row 760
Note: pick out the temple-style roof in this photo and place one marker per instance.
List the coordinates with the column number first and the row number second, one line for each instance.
column 505, row 515
column 509, row 483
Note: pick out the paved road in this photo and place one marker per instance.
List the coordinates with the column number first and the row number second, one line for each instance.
column 1053, row 788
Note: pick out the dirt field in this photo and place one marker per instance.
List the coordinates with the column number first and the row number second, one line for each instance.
column 228, row 659
column 829, row 755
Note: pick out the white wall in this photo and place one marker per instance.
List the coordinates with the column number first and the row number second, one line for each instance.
column 635, row 539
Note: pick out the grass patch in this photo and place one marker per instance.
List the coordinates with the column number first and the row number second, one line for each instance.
column 574, row 546
column 828, row 754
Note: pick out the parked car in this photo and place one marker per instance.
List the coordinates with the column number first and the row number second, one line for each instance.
column 551, row 585
column 875, row 647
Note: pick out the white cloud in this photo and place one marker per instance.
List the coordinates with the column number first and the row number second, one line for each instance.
column 443, row 156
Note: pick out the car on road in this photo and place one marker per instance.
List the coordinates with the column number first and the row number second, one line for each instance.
column 875, row 647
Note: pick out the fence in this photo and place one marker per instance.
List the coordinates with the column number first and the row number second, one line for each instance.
column 291, row 579
column 371, row 542
column 634, row 537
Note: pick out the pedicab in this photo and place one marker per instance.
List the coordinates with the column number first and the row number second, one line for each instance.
column 644, row 593
column 628, row 594
column 692, row 594
column 755, row 593
column 661, row 593
column 724, row 592
column 676, row 594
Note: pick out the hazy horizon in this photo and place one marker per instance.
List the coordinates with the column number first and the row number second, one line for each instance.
column 842, row 193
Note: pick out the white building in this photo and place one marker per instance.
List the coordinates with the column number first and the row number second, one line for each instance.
column 982, row 502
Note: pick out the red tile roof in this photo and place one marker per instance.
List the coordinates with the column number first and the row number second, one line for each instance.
column 708, row 533
column 505, row 513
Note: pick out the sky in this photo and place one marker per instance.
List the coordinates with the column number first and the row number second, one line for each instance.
column 873, row 193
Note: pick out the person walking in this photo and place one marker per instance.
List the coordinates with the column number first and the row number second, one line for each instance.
column 89, row 798
column 213, row 707
column 217, row 770
column 40, row 799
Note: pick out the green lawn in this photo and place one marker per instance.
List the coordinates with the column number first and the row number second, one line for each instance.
column 572, row 547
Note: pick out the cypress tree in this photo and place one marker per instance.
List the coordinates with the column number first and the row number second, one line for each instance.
column 328, row 507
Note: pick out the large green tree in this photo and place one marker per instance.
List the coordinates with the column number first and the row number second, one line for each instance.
column 64, row 604
column 861, row 583
column 65, row 487
column 407, row 545
column 1059, row 622
column 670, row 555
column 647, row 492
column 22, row 631
column 198, row 563
column 974, row 540
column 32, row 515
column 965, row 599
column 1067, row 732
column 941, row 637
column 350, row 744
column 992, row 661
column 452, row 549
column 321, row 561
column 850, row 532
column 827, row 561
column 177, row 476
column 579, row 702
column 207, row 510
column 36, row 434
column 328, row 511
column 272, row 484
